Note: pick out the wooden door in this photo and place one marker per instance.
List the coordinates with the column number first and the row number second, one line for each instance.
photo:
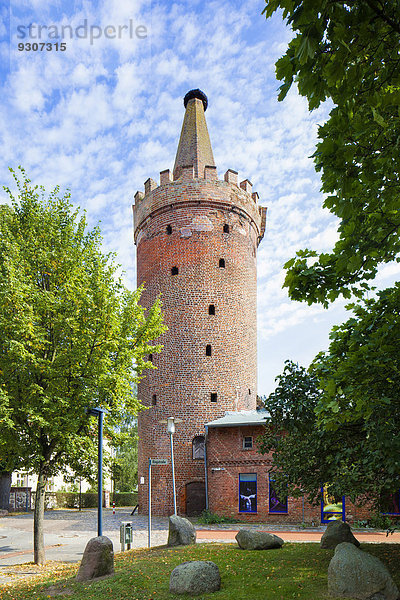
column 195, row 498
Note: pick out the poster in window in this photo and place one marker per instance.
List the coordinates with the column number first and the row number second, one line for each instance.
column 248, row 492
column 276, row 504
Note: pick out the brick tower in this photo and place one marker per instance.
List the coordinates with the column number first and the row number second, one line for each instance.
column 196, row 239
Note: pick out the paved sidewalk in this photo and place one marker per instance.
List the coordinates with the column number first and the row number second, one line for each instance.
column 297, row 536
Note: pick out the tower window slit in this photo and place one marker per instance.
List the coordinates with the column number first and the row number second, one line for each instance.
column 226, row 228
column 154, row 399
column 169, row 229
column 208, row 350
column 211, row 309
column 221, row 263
column 213, row 397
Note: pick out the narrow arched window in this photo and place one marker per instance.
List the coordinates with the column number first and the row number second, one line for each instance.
column 150, row 358
column 154, row 399
column 208, row 350
column 222, row 263
column 169, row 229
column 211, row 309
column 198, row 447
column 226, row 228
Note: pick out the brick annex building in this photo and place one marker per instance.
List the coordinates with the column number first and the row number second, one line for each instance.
column 197, row 239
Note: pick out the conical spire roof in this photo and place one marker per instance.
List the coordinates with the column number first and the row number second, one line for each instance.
column 194, row 146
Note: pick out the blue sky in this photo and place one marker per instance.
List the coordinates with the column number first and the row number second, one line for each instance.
column 105, row 114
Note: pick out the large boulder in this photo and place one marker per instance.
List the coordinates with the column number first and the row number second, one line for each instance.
column 257, row 540
column 97, row 560
column 181, row 532
column 336, row 533
column 353, row 573
column 195, row 577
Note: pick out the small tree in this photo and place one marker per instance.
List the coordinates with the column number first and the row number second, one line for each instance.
column 124, row 465
column 71, row 337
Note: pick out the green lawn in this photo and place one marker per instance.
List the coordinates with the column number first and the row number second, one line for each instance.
column 294, row 571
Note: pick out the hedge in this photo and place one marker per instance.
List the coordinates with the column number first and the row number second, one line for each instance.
column 125, row 499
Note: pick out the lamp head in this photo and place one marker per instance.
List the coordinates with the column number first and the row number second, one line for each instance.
column 171, row 425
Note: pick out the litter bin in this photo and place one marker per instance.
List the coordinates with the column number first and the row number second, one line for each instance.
column 125, row 535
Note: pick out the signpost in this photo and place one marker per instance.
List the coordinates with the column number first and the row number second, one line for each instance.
column 155, row 462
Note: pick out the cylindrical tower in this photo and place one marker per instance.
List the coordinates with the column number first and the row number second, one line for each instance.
column 196, row 239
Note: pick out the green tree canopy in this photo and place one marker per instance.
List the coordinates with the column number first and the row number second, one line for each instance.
column 348, row 52
column 355, row 458
column 71, row 336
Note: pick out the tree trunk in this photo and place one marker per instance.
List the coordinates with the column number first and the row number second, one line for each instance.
column 38, row 519
column 5, row 487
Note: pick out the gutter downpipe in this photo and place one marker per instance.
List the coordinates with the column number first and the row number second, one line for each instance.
column 205, row 464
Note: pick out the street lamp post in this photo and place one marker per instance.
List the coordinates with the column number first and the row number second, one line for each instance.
column 171, row 431
column 99, row 412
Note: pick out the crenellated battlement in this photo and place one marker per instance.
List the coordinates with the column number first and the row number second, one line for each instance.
column 187, row 174
column 186, row 190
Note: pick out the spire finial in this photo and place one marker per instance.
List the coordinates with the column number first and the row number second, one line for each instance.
column 196, row 94
column 194, row 145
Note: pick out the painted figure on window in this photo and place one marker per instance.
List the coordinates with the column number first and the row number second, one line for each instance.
column 332, row 506
column 248, row 493
column 276, row 504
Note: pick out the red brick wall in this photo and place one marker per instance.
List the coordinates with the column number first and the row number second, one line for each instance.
column 185, row 377
column 227, row 459
column 225, row 451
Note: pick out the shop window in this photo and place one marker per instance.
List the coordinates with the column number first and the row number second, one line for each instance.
column 208, row 350
column 213, row 397
column 198, row 447
column 174, row 271
column 211, row 309
column 277, row 504
column 248, row 492
column 221, row 263
column 247, row 442
column 390, row 503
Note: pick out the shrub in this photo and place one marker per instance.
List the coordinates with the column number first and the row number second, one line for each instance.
column 209, row 518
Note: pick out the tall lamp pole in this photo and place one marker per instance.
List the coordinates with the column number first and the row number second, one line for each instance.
column 99, row 412
column 171, row 431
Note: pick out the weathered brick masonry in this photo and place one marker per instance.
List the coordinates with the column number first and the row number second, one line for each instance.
column 206, row 231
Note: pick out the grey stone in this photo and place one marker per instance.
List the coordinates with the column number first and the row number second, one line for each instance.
column 257, row 540
column 336, row 533
column 353, row 573
column 181, row 532
column 97, row 560
column 195, row 577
